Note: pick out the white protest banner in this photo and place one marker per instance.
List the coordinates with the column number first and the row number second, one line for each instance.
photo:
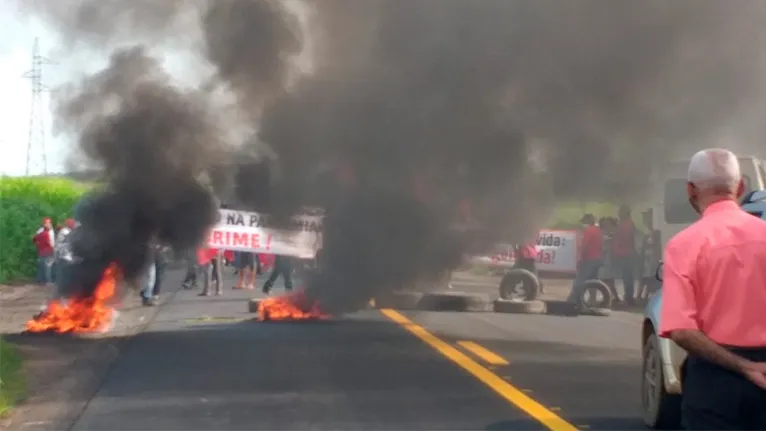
column 557, row 252
column 249, row 231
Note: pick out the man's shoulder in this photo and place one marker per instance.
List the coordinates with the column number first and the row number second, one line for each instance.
column 691, row 236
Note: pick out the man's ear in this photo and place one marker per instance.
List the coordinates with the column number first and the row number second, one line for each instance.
column 691, row 189
column 741, row 188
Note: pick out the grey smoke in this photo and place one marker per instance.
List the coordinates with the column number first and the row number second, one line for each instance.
column 513, row 105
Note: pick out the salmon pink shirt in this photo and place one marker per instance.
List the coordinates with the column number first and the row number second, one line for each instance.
column 714, row 278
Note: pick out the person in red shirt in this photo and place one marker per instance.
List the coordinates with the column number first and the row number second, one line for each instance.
column 624, row 252
column 44, row 241
column 526, row 255
column 590, row 258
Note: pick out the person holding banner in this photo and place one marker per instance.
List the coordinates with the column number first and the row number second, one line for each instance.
column 281, row 267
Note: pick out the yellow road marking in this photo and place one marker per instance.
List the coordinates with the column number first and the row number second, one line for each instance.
column 489, row 356
column 516, row 397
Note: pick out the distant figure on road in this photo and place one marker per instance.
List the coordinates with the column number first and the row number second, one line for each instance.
column 714, row 298
column 281, row 267
column 624, row 252
column 589, row 260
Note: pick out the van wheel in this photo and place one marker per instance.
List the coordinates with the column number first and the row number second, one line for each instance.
column 661, row 410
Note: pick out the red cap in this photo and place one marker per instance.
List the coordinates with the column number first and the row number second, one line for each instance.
column 70, row 223
column 47, row 220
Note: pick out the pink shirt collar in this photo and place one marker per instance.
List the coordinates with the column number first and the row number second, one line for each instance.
column 721, row 206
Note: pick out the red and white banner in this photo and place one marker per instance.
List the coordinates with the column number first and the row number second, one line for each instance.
column 557, row 252
column 249, row 231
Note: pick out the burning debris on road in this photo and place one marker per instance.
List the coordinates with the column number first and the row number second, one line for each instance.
column 80, row 314
column 289, row 307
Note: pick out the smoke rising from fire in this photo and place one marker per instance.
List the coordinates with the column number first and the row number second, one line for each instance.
column 152, row 142
column 510, row 105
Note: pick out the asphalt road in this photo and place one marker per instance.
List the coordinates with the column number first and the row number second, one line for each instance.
column 203, row 364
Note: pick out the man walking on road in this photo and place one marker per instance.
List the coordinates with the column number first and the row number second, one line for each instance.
column 281, row 267
column 714, row 293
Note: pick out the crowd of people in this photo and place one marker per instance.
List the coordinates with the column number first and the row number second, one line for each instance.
column 612, row 249
column 206, row 266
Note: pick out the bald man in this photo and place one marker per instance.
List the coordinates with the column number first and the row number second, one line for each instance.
column 714, row 301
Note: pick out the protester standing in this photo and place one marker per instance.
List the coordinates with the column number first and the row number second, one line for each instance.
column 281, row 267
column 62, row 250
column 44, row 241
column 589, row 260
column 650, row 258
column 192, row 269
column 624, row 250
column 526, row 255
column 248, row 265
column 211, row 262
column 155, row 271
column 714, row 293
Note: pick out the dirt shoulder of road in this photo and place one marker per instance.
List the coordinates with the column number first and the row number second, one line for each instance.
column 63, row 372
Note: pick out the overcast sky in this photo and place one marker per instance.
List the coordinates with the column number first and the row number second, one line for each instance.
column 15, row 104
column 16, row 48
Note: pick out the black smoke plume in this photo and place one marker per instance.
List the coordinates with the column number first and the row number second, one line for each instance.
column 153, row 142
column 506, row 106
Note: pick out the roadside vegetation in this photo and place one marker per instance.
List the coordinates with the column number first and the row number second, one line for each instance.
column 12, row 381
column 23, row 204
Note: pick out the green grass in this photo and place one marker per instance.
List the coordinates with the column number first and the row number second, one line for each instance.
column 12, row 381
column 23, row 204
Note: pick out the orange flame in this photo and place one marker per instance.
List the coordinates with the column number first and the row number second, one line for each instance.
column 84, row 314
column 293, row 306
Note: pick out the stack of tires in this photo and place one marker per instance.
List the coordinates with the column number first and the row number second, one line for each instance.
column 520, row 290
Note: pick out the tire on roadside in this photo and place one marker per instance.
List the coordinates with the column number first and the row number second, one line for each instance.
column 500, row 305
column 602, row 308
column 518, row 275
column 453, row 301
column 600, row 287
column 398, row 300
column 252, row 305
column 561, row 308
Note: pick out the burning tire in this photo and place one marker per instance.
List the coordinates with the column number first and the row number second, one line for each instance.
column 252, row 305
column 454, row 301
column 399, row 300
column 500, row 305
column 520, row 285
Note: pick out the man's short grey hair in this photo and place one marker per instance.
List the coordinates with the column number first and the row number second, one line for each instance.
column 714, row 168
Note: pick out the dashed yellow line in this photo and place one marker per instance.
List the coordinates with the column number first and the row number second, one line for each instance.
column 513, row 395
column 487, row 355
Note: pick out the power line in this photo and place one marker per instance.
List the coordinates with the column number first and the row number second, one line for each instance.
column 37, row 132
